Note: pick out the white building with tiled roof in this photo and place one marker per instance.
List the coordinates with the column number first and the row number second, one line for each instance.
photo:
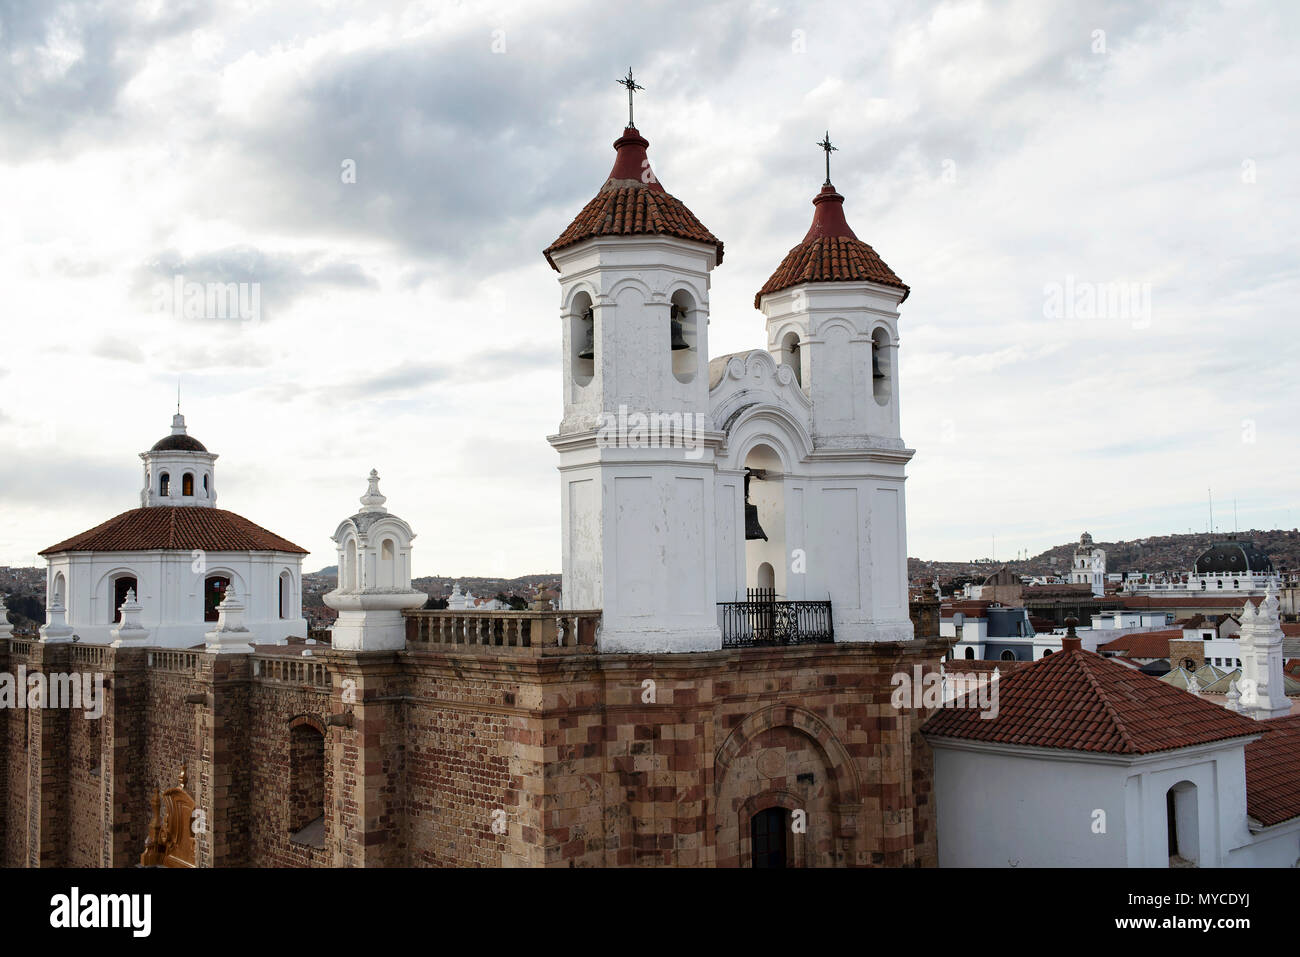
column 176, row 557
column 1082, row 762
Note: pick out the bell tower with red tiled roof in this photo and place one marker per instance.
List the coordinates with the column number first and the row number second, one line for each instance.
column 832, row 314
column 637, row 501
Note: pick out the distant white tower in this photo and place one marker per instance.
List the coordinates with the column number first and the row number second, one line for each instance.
column 1262, row 692
column 374, row 577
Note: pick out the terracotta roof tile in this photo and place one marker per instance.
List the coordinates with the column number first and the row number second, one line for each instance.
column 176, row 527
column 830, row 252
column 1079, row 701
column 1273, row 772
column 1151, row 644
column 633, row 202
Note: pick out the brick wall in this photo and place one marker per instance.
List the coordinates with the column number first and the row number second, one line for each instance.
column 465, row 757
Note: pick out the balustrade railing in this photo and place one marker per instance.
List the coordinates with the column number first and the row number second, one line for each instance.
column 530, row 633
column 762, row 620
column 292, row 671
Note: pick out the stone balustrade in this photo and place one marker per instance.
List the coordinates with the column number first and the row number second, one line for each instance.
column 523, row 633
column 298, row 671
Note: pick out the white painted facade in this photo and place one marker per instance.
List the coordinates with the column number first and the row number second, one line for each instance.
column 169, row 585
column 654, row 531
column 1008, row 806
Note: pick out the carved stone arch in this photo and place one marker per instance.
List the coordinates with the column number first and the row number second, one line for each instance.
column 571, row 294
column 611, row 294
column 838, row 761
column 307, row 718
column 763, row 424
column 836, row 322
column 800, row 851
column 678, row 284
column 797, row 326
column 891, row 337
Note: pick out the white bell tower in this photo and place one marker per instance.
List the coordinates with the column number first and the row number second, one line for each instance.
column 636, row 463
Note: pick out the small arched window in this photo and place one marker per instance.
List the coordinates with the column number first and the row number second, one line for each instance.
column 582, row 340
column 164, row 484
column 205, row 484
column 307, row 785
column 970, row 654
column 387, row 564
column 214, row 590
column 881, row 371
column 286, row 595
column 791, row 355
column 1008, row 655
column 122, row 585
column 683, row 336
column 187, row 484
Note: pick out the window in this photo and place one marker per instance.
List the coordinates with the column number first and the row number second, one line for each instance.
column 187, row 484
column 164, row 484
column 387, row 564
column 970, row 654
column 767, row 833
column 1046, row 652
column 120, row 587
column 286, row 595
column 582, row 340
column 790, row 356
column 205, row 485
column 214, row 590
column 1182, row 825
column 307, row 784
column 683, row 337
column 1008, row 655
column 880, row 366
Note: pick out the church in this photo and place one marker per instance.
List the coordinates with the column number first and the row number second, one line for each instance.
column 715, row 689
column 171, row 562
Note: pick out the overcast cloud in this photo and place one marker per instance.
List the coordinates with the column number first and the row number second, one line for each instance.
column 408, row 319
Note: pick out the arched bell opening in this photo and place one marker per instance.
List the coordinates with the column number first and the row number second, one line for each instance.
column 792, row 355
column 582, row 340
column 881, row 367
column 765, row 564
column 683, row 336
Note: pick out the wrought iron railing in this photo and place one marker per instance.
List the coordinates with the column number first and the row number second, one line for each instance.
column 762, row 620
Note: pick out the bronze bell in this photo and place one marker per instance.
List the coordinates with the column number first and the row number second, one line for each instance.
column 679, row 341
column 589, row 346
column 753, row 530
column 876, row 372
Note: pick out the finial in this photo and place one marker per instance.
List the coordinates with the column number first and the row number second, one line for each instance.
column 373, row 501
column 631, row 85
column 825, row 144
column 178, row 395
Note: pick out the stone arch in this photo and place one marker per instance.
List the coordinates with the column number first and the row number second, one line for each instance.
column 800, row 849
column 836, row 756
column 769, row 425
column 743, row 785
column 836, row 322
column 572, row 293
column 611, row 294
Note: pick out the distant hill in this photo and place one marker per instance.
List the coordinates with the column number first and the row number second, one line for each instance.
column 329, row 571
column 1157, row 553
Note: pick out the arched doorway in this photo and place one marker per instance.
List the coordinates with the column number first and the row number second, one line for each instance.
column 767, row 834
column 1183, row 825
column 122, row 585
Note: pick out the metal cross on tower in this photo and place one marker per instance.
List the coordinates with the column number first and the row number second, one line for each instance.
column 631, row 85
column 825, row 144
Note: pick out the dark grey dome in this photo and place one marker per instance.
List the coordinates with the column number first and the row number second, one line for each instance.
column 178, row 443
column 1233, row 558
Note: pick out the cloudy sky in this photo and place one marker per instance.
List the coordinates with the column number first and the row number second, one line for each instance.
column 996, row 155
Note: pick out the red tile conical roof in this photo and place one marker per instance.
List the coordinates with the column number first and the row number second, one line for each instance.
column 633, row 202
column 830, row 252
column 176, row 527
